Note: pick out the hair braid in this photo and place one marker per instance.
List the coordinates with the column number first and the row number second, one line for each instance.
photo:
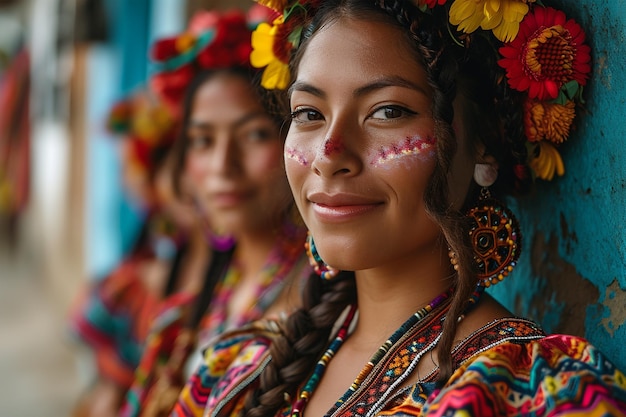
column 303, row 339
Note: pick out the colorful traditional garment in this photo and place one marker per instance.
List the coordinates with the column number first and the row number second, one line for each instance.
column 161, row 374
column 507, row 368
column 114, row 318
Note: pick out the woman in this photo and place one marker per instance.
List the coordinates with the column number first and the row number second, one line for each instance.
column 113, row 317
column 402, row 118
column 231, row 150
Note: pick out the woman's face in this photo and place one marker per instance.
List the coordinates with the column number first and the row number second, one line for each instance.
column 177, row 208
column 361, row 146
column 234, row 158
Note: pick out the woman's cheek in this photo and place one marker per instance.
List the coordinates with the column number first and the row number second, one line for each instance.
column 195, row 168
column 296, row 155
column 265, row 161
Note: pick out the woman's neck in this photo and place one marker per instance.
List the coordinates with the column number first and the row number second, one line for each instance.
column 253, row 250
column 388, row 295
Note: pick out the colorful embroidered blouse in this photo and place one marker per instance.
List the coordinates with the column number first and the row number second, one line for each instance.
column 160, row 376
column 507, row 368
column 114, row 318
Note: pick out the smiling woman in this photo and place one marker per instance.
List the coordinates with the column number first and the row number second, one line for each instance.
column 402, row 130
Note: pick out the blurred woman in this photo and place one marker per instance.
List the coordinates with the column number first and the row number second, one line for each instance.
column 231, row 148
column 113, row 316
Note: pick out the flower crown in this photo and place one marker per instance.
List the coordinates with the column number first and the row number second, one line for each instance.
column 146, row 126
column 543, row 54
column 212, row 41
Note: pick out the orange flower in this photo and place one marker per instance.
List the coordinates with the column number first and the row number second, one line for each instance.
column 548, row 121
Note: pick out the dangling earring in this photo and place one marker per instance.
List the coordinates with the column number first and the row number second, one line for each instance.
column 325, row 271
column 494, row 232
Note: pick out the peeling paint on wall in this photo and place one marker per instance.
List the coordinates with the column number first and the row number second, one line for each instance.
column 562, row 284
column 615, row 303
column 571, row 277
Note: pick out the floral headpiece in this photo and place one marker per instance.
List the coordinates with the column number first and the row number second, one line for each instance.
column 146, row 126
column 543, row 54
column 212, row 41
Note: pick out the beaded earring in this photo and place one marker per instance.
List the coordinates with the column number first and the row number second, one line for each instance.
column 494, row 232
column 322, row 269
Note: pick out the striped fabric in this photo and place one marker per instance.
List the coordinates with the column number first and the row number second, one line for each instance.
column 113, row 320
column 508, row 368
column 172, row 344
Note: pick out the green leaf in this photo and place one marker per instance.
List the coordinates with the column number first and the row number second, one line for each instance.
column 294, row 37
column 571, row 89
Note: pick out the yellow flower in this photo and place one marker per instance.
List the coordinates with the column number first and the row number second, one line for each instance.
column 501, row 16
column 276, row 74
column 549, row 121
column 278, row 5
column 547, row 161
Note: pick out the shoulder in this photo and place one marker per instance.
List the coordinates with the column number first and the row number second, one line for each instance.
column 233, row 360
column 237, row 351
column 550, row 375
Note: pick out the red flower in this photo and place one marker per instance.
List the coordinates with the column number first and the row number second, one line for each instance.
column 164, row 49
column 170, row 86
column 213, row 41
column 431, row 3
column 548, row 52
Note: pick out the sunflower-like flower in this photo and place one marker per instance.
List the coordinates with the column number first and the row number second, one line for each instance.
column 548, row 121
column 546, row 161
column 265, row 53
column 549, row 52
column 503, row 17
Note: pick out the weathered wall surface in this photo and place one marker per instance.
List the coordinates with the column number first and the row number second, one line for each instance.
column 572, row 273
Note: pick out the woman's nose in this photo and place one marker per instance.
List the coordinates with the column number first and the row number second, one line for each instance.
column 338, row 154
column 226, row 156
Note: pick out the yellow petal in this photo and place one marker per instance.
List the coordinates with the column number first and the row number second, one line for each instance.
column 506, row 32
column 262, row 46
column 276, row 76
column 466, row 14
column 491, row 8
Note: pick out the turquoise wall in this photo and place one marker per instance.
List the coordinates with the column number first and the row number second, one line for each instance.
column 572, row 273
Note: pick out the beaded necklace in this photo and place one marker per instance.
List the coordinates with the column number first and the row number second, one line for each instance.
column 334, row 346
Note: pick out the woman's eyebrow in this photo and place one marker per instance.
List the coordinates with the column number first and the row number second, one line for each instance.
column 388, row 81
column 383, row 82
column 198, row 124
column 307, row 88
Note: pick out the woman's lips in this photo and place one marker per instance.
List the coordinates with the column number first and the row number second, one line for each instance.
column 228, row 199
column 340, row 208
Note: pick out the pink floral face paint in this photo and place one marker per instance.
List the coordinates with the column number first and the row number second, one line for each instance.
column 296, row 155
column 411, row 146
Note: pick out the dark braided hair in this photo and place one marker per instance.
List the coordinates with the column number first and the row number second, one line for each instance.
column 492, row 117
column 304, row 335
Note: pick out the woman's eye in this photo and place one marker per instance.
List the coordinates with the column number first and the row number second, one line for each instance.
column 259, row 135
column 199, row 142
column 305, row 115
column 391, row 112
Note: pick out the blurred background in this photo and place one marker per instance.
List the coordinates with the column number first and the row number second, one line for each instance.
column 65, row 219
column 64, row 216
